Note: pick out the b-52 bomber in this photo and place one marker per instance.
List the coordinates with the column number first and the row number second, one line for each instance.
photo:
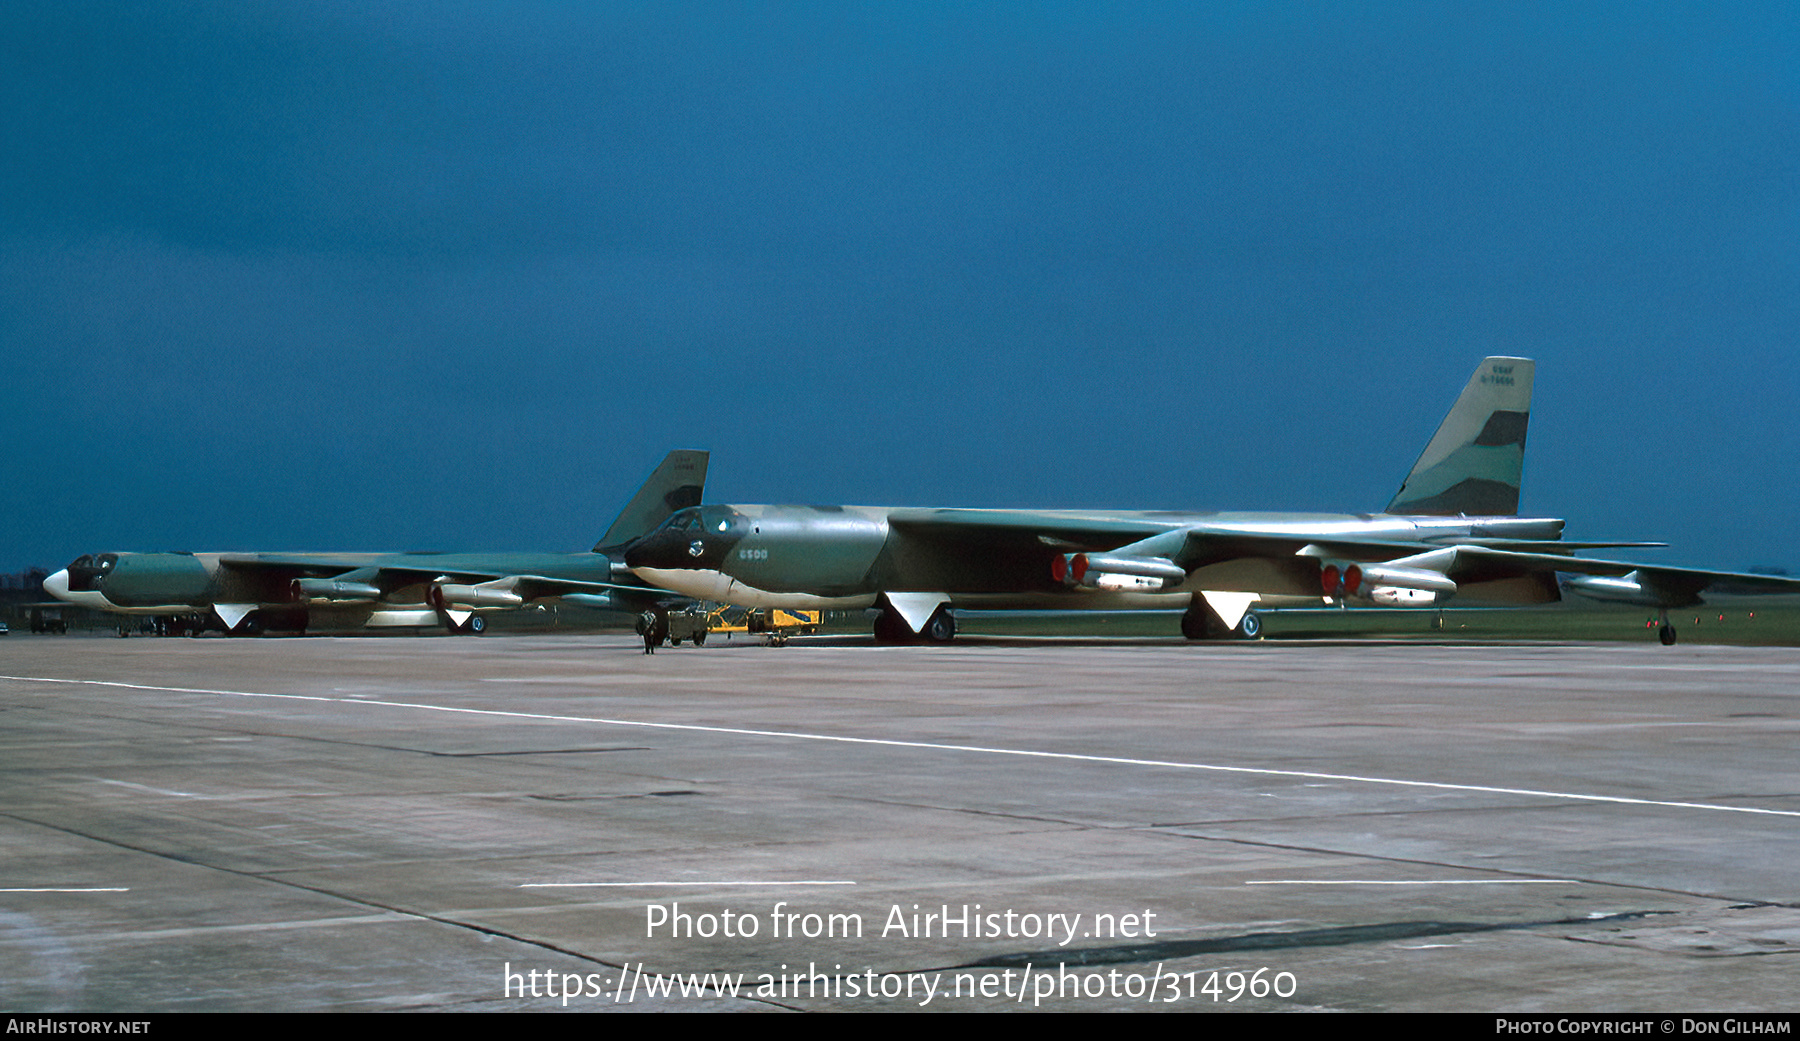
column 251, row 592
column 1453, row 530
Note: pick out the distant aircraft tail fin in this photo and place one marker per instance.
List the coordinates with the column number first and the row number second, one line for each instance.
column 1474, row 462
column 677, row 484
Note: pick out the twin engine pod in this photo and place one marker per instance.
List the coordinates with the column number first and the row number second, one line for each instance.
column 1388, row 584
column 446, row 595
column 313, row 590
column 1634, row 587
column 1116, row 573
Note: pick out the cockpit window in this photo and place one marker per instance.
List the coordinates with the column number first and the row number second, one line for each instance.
column 89, row 568
column 710, row 520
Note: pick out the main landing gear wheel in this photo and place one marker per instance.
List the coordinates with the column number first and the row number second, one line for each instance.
column 891, row 628
column 940, row 627
column 1193, row 623
column 1201, row 622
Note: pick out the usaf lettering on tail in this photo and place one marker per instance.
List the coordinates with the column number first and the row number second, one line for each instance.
column 249, row 592
column 1452, row 530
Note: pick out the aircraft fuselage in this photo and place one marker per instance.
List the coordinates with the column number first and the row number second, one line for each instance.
column 172, row 583
column 847, row 556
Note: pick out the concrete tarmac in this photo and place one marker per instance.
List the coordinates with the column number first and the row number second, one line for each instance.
column 541, row 822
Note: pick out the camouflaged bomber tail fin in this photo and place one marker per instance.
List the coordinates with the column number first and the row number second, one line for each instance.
column 677, row 484
column 1473, row 463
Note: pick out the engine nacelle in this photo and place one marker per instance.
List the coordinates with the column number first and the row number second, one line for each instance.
column 1626, row 590
column 1117, row 573
column 1400, row 596
column 599, row 600
column 445, row 595
column 1362, row 579
column 1112, row 583
column 317, row 589
column 1331, row 578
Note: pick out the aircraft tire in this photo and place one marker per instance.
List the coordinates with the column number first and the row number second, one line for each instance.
column 940, row 627
column 891, row 628
column 1667, row 635
column 1197, row 623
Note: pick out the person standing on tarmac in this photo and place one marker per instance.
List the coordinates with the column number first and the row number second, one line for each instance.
column 647, row 628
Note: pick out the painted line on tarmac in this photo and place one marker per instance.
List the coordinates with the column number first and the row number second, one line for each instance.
column 616, row 885
column 55, row 890
column 790, row 735
column 1413, row 882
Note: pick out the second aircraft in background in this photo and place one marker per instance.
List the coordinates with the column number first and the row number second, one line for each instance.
column 251, row 592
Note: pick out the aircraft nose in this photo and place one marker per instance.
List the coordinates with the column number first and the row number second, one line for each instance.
column 646, row 552
column 57, row 585
column 666, row 549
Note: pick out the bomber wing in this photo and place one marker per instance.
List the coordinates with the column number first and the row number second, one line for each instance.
column 1172, row 551
column 1285, row 554
column 1062, row 529
column 447, row 580
column 1651, row 585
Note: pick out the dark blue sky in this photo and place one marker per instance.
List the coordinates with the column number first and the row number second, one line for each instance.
column 437, row 275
